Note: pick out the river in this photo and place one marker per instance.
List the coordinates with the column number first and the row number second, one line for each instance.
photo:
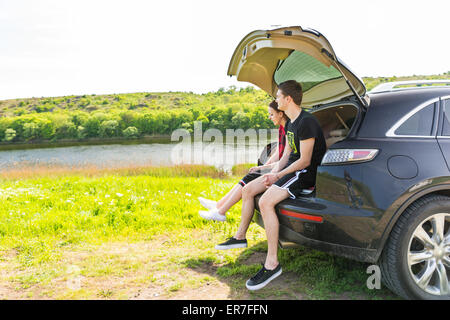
column 222, row 156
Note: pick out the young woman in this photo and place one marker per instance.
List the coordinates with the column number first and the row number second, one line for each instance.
column 217, row 210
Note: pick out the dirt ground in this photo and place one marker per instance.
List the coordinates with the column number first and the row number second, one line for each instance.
column 148, row 270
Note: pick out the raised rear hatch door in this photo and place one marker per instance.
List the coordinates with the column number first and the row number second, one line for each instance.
column 266, row 58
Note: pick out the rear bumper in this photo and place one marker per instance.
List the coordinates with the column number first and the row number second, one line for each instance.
column 330, row 235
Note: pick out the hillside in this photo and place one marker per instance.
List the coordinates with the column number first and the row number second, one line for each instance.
column 134, row 115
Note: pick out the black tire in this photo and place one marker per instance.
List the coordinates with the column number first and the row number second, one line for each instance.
column 395, row 272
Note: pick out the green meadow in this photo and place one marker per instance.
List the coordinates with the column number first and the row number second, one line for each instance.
column 135, row 233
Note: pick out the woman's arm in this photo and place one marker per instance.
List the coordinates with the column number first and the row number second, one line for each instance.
column 269, row 163
column 283, row 161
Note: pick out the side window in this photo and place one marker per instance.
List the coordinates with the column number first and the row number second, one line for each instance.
column 446, row 122
column 419, row 124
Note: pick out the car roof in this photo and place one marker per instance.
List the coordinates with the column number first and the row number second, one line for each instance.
column 414, row 92
column 386, row 108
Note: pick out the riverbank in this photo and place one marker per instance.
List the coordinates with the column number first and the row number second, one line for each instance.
column 38, row 144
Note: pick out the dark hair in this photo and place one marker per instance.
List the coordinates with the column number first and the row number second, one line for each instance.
column 274, row 106
column 293, row 89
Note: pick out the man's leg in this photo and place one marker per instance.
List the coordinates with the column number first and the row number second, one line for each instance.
column 267, row 204
column 271, row 268
column 249, row 192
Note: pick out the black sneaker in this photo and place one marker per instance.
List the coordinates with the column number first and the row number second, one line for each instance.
column 232, row 243
column 263, row 277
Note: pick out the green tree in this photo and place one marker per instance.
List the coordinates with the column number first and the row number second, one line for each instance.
column 10, row 134
column 91, row 127
column 145, row 123
column 109, row 128
column 241, row 120
column 66, row 130
column 131, row 132
column 30, row 131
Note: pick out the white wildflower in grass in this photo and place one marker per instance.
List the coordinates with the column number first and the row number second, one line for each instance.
column 188, row 194
column 107, row 195
column 119, row 194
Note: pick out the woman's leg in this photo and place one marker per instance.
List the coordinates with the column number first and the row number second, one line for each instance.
column 235, row 194
column 233, row 197
column 230, row 193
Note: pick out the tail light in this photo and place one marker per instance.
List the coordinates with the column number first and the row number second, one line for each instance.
column 339, row 156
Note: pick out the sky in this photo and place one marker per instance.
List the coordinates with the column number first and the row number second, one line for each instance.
column 72, row 47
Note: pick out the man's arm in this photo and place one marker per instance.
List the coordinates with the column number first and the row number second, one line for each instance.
column 306, row 147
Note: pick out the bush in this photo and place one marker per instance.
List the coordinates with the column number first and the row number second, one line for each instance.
column 78, row 118
column 109, row 128
column 4, row 125
column 131, row 132
column 187, row 126
column 145, row 123
column 30, row 131
column 66, row 131
column 81, row 132
column 46, row 128
column 10, row 134
column 91, row 127
column 127, row 119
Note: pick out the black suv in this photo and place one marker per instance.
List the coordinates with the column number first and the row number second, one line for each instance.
column 383, row 189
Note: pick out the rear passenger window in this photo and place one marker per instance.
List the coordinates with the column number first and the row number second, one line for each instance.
column 446, row 123
column 419, row 124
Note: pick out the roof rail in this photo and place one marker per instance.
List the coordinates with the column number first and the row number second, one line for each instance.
column 390, row 86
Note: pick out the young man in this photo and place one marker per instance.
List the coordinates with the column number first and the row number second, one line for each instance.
column 295, row 171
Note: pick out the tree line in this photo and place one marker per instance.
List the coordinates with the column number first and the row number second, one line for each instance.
column 134, row 115
column 127, row 123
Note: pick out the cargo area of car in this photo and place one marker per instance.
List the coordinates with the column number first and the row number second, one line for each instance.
column 336, row 121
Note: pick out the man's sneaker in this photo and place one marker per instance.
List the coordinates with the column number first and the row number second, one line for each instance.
column 232, row 243
column 208, row 204
column 212, row 215
column 263, row 277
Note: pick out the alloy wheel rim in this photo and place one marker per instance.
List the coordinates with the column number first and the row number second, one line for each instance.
column 429, row 255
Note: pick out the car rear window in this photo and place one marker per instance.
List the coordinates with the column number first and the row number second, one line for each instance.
column 446, row 123
column 305, row 69
column 419, row 124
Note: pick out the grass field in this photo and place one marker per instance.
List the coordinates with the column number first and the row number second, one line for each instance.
column 135, row 233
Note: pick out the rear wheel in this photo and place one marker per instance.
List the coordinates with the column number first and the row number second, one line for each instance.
column 416, row 259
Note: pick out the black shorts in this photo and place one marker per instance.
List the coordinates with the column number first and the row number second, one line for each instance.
column 297, row 183
column 250, row 177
